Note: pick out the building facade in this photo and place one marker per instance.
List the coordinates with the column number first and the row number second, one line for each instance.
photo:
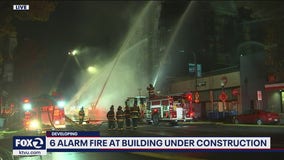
column 244, row 90
column 210, row 88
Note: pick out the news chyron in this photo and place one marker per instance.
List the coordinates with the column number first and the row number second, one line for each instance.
column 21, row 7
column 91, row 141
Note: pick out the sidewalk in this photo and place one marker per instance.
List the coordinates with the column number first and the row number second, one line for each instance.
column 204, row 122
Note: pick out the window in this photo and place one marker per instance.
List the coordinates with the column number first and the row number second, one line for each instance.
column 282, row 101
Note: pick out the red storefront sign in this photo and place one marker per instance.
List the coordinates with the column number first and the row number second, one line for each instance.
column 235, row 92
column 223, row 96
column 259, row 95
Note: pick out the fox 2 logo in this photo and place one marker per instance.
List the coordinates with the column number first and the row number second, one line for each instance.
column 29, row 142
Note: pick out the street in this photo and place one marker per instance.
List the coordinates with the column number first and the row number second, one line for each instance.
column 188, row 130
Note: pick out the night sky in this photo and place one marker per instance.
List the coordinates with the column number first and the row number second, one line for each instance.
column 73, row 24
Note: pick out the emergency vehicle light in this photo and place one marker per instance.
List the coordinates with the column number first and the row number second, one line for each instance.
column 27, row 106
column 189, row 114
column 26, row 100
column 61, row 104
column 34, row 124
column 189, row 97
column 57, row 122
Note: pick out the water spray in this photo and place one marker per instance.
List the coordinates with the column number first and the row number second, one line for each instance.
column 78, row 63
column 156, row 78
column 59, row 77
column 114, row 64
column 124, row 48
column 171, row 41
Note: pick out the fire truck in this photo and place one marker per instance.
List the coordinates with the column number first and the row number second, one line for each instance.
column 43, row 113
column 172, row 108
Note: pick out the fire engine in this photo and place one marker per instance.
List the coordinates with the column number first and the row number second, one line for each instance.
column 172, row 108
column 43, row 113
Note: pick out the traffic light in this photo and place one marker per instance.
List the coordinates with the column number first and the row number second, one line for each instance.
column 189, row 97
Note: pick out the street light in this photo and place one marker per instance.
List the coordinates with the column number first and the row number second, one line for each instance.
column 92, row 69
column 73, row 52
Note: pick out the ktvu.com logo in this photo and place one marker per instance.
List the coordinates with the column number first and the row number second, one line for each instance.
column 29, row 145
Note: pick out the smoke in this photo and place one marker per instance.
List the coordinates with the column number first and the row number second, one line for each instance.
column 125, row 80
column 117, row 77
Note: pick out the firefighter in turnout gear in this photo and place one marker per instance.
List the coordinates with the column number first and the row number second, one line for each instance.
column 127, row 117
column 81, row 115
column 111, row 118
column 120, row 118
column 135, row 113
column 155, row 117
column 151, row 91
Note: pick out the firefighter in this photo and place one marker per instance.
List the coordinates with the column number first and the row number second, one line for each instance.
column 142, row 110
column 135, row 113
column 81, row 115
column 127, row 117
column 155, row 116
column 120, row 118
column 151, row 91
column 111, row 118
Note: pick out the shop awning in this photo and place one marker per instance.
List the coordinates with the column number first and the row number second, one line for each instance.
column 274, row 86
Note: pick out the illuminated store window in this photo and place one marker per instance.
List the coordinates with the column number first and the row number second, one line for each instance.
column 282, row 101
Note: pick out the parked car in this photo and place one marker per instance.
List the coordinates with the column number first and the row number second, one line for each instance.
column 258, row 117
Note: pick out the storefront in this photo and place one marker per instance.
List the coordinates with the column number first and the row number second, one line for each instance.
column 218, row 94
column 275, row 97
